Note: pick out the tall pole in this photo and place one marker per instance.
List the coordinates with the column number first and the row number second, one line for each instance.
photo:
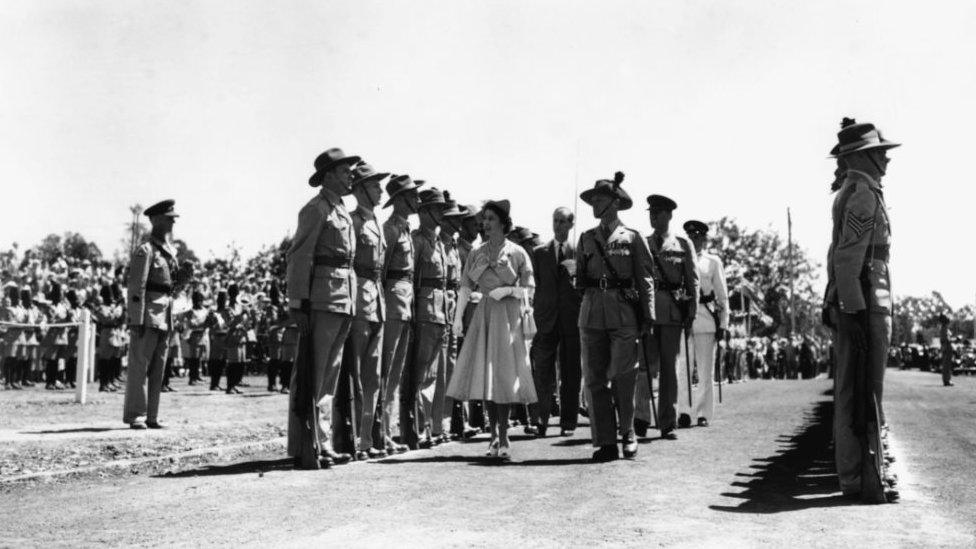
column 576, row 193
column 789, row 255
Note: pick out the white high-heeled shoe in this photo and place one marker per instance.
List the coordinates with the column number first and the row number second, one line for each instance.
column 492, row 449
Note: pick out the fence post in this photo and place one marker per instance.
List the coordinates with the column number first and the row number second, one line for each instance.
column 84, row 358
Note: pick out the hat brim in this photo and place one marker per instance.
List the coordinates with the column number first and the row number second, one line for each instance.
column 885, row 145
column 316, row 178
column 413, row 187
column 374, row 177
column 625, row 202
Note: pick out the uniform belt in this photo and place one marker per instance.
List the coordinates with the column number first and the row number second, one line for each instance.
column 333, row 261
column 607, row 283
column 438, row 283
column 666, row 286
column 159, row 287
column 706, row 299
column 399, row 274
column 881, row 253
column 367, row 272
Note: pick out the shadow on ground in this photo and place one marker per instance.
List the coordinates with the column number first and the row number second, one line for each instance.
column 801, row 475
column 242, row 468
column 75, row 430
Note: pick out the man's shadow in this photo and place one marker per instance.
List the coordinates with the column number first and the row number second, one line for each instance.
column 801, row 475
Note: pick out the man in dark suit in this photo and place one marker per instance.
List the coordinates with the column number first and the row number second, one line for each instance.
column 557, row 306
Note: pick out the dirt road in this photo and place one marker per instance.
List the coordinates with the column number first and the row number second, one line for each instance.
column 760, row 475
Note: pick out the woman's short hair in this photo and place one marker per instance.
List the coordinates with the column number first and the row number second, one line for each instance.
column 502, row 215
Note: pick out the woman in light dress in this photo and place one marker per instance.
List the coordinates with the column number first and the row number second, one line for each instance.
column 493, row 364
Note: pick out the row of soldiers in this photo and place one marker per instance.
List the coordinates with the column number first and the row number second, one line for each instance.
column 376, row 304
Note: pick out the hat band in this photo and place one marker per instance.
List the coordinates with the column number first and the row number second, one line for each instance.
column 872, row 139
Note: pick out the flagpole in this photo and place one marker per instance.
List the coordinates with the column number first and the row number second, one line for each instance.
column 789, row 233
column 576, row 193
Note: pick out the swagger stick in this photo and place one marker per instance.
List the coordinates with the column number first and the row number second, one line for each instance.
column 650, row 378
column 719, row 368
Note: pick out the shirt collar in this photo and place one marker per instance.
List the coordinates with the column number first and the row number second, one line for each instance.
column 330, row 196
column 870, row 180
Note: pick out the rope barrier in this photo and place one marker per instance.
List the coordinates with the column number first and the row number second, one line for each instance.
column 57, row 325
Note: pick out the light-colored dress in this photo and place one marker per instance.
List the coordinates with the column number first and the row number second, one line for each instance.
column 494, row 361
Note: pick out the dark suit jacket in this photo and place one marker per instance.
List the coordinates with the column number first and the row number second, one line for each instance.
column 555, row 296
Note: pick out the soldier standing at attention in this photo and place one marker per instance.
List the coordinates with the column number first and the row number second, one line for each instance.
column 448, row 412
column 470, row 229
column 429, row 322
column 710, row 325
column 322, row 293
column 676, row 302
column 858, row 301
column 398, row 293
column 153, row 279
column 614, row 269
column 361, row 359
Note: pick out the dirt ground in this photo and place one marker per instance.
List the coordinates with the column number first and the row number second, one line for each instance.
column 761, row 475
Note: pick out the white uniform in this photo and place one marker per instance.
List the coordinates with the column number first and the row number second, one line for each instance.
column 711, row 275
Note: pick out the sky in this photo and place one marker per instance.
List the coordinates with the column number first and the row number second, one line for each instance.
column 728, row 107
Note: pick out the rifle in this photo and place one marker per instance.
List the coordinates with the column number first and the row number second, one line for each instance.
column 867, row 426
column 305, row 407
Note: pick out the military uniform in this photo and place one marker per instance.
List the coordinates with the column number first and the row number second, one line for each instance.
column 676, row 298
column 430, row 331
column 609, row 324
column 152, row 276
column 398, row 294
column 712, row 314
column 858, row 285
column 322, row 281
column 362, row 354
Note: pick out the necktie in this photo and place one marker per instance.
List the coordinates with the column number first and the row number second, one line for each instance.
column 559, row 253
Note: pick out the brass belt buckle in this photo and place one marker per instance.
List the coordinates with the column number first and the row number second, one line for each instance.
column 603, row 283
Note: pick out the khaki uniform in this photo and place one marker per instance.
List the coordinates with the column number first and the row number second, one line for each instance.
column 609, row 324
column 361, row 361
column 444, row 406
column 150, row 308
column 320, row 275
column 676, row 296
column 398, row 296
column 859, row 294
column 430, row 332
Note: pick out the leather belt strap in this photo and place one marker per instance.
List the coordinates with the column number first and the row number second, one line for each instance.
column 333, row 261
column 367, row 272
column 880, row 252
column 607, row 283
column 399, row 274
column 666, row 286
column 159, row 288
column 706, row 299
column 437, row 283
